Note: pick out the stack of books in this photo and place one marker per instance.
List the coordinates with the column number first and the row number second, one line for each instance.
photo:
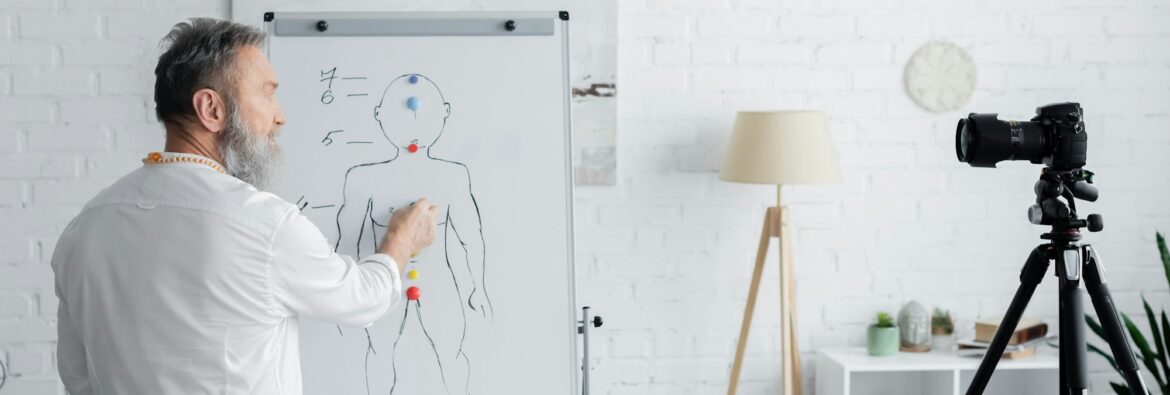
column 1029, row 333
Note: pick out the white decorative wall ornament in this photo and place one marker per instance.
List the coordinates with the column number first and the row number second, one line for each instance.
column 940, row 76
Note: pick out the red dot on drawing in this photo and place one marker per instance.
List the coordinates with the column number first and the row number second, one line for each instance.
column 412, row 148
column 412, row 293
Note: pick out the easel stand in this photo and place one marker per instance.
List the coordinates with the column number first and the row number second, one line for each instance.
column 775, row 225
column 587, row 320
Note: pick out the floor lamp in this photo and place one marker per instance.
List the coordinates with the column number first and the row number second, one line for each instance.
column 778, row 148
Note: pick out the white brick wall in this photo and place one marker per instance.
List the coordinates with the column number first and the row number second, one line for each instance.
column 666, row 254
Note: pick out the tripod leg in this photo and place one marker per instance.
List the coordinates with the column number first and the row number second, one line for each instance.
column 1030, row 277
column 1073, row 372
column 1110, row 323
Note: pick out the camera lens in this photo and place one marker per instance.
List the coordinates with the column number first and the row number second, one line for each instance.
column 982, row 140
column 963, row 141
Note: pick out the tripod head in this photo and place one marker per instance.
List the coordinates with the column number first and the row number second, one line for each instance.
column 1069, row 185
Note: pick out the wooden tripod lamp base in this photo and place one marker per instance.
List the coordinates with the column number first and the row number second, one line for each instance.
column 775, row 226
column 778, row 148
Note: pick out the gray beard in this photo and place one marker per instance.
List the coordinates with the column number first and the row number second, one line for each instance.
column 252, row 158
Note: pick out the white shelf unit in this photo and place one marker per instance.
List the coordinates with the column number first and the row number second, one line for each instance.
column 851, row 371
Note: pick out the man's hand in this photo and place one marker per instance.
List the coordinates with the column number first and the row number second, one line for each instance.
column 410, row 231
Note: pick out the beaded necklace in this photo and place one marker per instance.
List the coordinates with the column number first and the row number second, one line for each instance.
column 157, row 158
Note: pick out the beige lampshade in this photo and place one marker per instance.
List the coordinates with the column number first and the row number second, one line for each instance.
column 781, row 147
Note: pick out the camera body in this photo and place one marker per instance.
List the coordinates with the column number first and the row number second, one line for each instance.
column 1056, row 137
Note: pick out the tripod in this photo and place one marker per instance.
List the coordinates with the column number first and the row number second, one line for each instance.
column 1074, row 261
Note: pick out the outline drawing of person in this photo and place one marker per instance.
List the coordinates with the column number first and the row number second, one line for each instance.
column 413, row 116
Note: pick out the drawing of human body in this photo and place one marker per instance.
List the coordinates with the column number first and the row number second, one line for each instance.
column 445, row 285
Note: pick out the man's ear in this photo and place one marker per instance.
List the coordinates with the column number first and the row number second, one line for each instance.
column 446, row 110
column 210, row 109
column 378, row 113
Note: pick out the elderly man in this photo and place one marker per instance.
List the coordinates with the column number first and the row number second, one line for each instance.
column 185, row 276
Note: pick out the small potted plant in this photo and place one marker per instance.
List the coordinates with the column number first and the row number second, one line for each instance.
column 882, row 336
column 942, row 327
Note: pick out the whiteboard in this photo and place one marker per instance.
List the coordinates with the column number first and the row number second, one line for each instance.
column 384, row 108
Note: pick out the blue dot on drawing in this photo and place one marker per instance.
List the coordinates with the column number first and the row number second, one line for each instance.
column 413, row 79
column 412, row 103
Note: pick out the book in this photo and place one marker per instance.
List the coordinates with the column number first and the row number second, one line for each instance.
column 1027, row 329
column 1015, row 354
column 972, row 343
column 975, row 348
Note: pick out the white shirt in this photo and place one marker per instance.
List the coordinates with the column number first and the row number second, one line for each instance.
column 178, row 279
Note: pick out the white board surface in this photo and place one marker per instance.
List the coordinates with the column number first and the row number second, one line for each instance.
column 381, row 110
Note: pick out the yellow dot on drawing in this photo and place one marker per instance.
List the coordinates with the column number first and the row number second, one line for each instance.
column 413, row 274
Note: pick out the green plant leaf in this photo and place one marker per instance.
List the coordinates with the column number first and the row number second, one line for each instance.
column 1165, row 254
column 1108, row 357
column 1147, row 356
column 1154, row 327
column 1120, row 389
column 1161, row 348
column 1094, row 326
column 1165, row 339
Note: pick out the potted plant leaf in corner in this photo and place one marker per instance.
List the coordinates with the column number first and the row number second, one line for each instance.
column 942, row 330
column 882, row 336
column 1154, row 358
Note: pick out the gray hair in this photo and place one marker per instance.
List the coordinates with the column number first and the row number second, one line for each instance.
column 198, row 54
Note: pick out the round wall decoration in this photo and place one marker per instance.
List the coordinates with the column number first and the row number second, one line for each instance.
column 940, row 76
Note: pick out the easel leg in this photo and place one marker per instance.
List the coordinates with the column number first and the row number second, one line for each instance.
column 761, row 254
